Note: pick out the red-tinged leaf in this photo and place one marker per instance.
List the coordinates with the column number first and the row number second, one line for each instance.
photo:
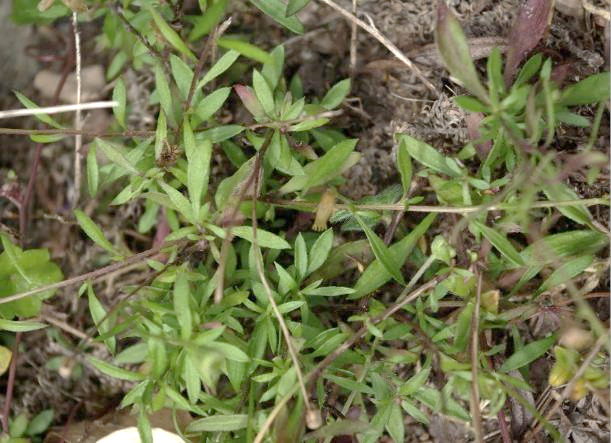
column 529, row 28
column 454, row 51
column 249, row 100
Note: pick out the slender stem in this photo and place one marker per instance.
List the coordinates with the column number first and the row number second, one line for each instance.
column 270, row 295
column 311, row 377
column 444, row 209
column 476, row 413
column 78, row 139
column 93, row 275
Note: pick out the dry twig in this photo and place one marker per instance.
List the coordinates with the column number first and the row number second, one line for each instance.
column 370, row 28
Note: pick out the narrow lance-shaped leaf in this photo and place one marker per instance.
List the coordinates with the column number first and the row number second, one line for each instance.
column 322, row 170
column 382, row 253
column 221, row 65
column 334, row 96
column 250, row 101
column 119, row 95
column 592, row 89
column 181, row 306
column 114, row 153
column 294, row 6
column 93, row 231
column 429, row 156
column 454, row 51
column 244, row 48
column 211, row 103
column 277, row 10
column 528, row 354
column 163, row 91
column 404, row 165
column 93, row 172
column 263, row 93
column 501, row 243
column 169, row 34
column 376, row 275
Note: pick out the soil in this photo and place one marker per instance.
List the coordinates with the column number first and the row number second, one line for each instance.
column 386, row 98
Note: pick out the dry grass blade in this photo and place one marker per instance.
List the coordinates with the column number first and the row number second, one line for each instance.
column 78, row 139
column 11, row 113
column 268, row 291
column 385, row 41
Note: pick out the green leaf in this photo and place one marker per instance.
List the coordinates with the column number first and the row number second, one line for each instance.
column 42, row 117
column 454, row 50
column 383, row 254
column 113, row 371
column 20, row 326
column 264, row 93
column 527, row 354
column 328, row 291
column 169, row 34
column 528, row 70
column 395, row 425
column 566, row 271
column 309, row 124
column 219, row 423
column 272, row 70
column 145, row 432
column 277, row 10
column 220, row 133
column 93, row 171
column 471, row 104
column 430, row 157
column 160, row 134
column 404, row 166
column 119, row 95
column 350, row 385
column 211, row 103
column 40, row 423
column 320, row 250
column 244, row 48
column 301, row 257
column 340, row 427
column 221, row 65
column 294, row 6
column 323, row 169
column 265, row 239
column 203, row 24
column 192, row 379
column 198, row 167
column 336, row 95
column 93, row 231
column 501, row 243
column 179, row 201
column 561, row 192
column 416, row 381
column 163, row 91
column 182, row 308
column 592, row 89
column 230, row 352
column 114, row 153
column 376, row 274
column 98, row 313
column 183, row 75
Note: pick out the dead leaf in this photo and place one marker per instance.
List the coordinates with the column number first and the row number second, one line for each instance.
column 530, row 26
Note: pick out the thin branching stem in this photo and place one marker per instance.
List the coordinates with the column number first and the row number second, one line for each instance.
column 476, row 413
column 270, row 296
